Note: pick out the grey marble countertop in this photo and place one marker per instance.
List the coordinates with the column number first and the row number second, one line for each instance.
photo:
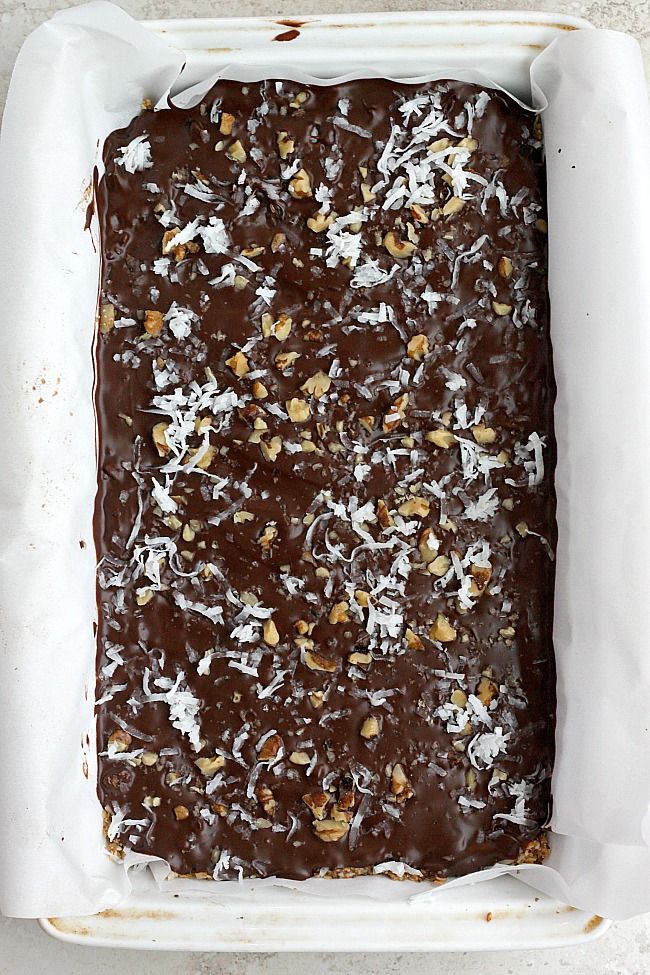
column 625, row 950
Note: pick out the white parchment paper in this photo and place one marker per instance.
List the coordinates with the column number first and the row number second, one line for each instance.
column 85, row 73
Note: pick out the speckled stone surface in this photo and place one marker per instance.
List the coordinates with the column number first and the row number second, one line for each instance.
column 625, row 950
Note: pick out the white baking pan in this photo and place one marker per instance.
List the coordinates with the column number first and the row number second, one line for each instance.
column 496, row 914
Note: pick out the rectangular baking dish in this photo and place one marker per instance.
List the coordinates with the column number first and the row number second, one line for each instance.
column 498, row 914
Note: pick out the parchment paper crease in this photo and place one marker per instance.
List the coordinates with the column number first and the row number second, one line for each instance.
column 83, row 74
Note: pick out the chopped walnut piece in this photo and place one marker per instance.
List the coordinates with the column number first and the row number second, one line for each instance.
column 383, row 515
column 271, row 449
column 300, row 758
column 428, row 545
column 319, row 222
column 504, row 267
column 120, row 740
column 298, row 410
column 442, row 630
column 317, row 385
column 286, row 145
column 181, row 812
column 396, row 414
column 177, row 251
column 486, row 690
column 317, row 803
column 452, row 206
column 316, row 661
column 266, row 799
column 300, row 185
column 414, row 506
column 238, row 363
column 208, row 766
column 483, row 434
column 369, row 728
column 339, row 612
column 277, row 242
column 441, row 438
column 330, row 830
column 270, row 749
column 259, row 390
column 268, row 536
column 106, row 318
column 207, row 456
column 159, row 439
column 153, row 323
column 360, row 659
column 271, row 635
column 396, row 247
column 440, row 566
column 284, row 360
column 418, row 346
column 400, row 785
column 226, row 123
column 413, row 641
column 481, row 574
column 236, row 152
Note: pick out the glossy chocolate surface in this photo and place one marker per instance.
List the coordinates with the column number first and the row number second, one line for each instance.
column 381, row 563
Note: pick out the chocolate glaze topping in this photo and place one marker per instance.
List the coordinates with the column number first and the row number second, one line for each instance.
column 325, row 515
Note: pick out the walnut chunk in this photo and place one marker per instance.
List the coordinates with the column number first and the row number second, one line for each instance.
column 401, row 249
column 181, row 812
column 106, row 317
column 209, row 766
column 268, row 536
column 330, row 830
column 339, row 613
column 441, row 438
column 298, row 410
column 413, row 641
column 418, row 346
column 259, row 390
column 278, row 241
column 483, row 434
column 453, row 206
column 177, row 251
column 284, row 360
column 159, row 439
column 299, row 758
column 383, row 515
column 317, row 803
column 236, row 152
column 266, row 799
column 300, row 185
column 271, row 449
column 428, row 546
column 316, row 661
column 319, row 222
column 481, row 575
column 120, row 740
column 370, row 728
column 226, row 123
column 486, row 690
column 270, row 749
column 441, row 630
column 271, row 635
column 395, row 416
column 504, row 266
column 238, row 363
column 417, row 506
column 153, row 323
column 400, row 785
column 286, row 145
column 317, row 385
